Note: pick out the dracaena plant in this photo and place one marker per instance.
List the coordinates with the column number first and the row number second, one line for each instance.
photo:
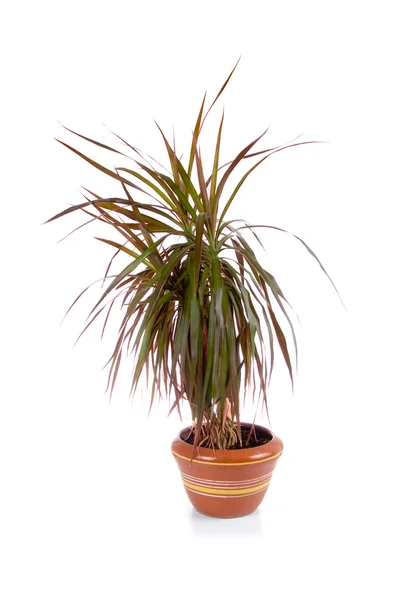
column 201, row 316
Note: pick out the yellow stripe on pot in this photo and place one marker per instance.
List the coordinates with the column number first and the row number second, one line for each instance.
column 226, row 464
column 224, row 492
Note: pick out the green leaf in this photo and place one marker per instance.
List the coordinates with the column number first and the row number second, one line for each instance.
column 131, row 267
column 213, row 195
column 187, row 182
column 202, row 182
column 99, row 144
column 234, row 164
column 312, row 254
column 112, row 174
column 195, row 136
column 222, row 89
column 237, row 188
column 196, row 332
column 119, row 246
column 198, row 246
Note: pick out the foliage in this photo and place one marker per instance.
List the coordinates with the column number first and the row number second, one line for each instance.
column 200, row 314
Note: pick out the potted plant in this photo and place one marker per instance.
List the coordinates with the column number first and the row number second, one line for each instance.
column 200, row 314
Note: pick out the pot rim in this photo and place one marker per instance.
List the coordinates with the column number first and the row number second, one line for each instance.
column 268, row 451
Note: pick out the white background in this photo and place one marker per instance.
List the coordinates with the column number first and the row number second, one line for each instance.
column 91, row 501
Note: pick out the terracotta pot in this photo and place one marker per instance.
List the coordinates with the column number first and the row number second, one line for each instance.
column 226, row 483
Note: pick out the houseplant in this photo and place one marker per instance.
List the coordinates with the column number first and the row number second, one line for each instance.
column 200, row 314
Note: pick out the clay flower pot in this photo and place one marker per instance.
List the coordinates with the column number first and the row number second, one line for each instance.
column 227, row 483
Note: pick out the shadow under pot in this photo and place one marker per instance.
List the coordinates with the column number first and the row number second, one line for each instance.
column 227, row 483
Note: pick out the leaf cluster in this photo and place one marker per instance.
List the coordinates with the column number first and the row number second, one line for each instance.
column 201, row 317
